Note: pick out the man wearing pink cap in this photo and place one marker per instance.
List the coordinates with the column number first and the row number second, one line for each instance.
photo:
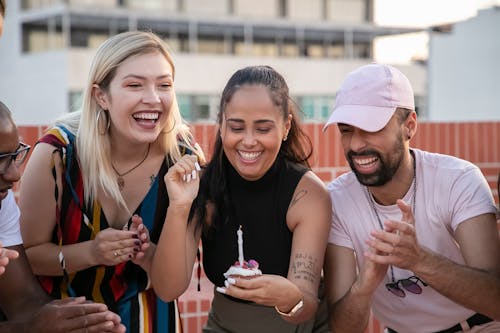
column 413, row 235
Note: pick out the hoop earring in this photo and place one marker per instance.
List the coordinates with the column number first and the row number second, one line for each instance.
column 170, row 130
column 108, row 122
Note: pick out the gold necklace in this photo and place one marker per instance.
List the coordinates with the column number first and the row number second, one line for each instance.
column 119, row 180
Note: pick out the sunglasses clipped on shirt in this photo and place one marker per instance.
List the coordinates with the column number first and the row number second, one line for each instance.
column 18, row 157
column 409, row 284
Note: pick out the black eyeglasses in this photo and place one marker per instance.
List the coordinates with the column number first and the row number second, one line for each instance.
column 410, row 284
column 18, row 157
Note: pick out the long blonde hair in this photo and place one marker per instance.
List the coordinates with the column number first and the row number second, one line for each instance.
column 93, row 147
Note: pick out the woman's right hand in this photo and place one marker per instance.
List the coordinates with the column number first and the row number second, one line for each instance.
column 111, row 246
column 182, row 180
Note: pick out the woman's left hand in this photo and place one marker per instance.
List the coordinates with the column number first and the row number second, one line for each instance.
column 267, row 289
column 143, row 252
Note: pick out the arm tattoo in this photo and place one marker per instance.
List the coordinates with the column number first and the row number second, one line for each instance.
column 298, row 196
column 304, row 267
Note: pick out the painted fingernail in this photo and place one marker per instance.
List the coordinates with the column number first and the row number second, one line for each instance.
column 135, row 236
column 221, row 290
column 188, row 178
column 226, row 283
column 130, row 256
column 193, row 174
column 197, row 166
column 184, row 177
column 137, row 242
column 231, row 280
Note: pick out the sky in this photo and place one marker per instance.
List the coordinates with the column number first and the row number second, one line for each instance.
column 419, row 14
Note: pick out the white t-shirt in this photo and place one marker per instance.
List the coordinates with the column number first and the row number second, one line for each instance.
column 10, row 233
column 449, row 191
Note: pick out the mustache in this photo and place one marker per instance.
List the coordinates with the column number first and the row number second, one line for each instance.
column 351, row 154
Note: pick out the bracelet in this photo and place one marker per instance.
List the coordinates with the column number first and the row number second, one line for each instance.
column 293, row 311
column 62, row 262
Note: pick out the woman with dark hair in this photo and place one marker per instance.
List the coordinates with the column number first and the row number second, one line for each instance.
column 258, row 181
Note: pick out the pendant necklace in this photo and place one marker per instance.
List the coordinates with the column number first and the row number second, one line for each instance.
column 119, row 180
column 371, row 199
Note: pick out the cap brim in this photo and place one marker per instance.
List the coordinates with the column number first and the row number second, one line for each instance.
column 368, row 118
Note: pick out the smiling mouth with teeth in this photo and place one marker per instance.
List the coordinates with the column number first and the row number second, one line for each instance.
column 364, row 162
column 151, row 116
column 249, row 155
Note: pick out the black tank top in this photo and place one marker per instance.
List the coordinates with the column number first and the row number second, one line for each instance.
column 260, row 207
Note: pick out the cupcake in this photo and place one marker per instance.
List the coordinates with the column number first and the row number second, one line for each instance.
column 246, row 269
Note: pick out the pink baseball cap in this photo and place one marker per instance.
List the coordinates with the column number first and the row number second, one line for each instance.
column 369, row 96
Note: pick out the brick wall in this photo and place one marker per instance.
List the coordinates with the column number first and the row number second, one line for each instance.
column 478, row 142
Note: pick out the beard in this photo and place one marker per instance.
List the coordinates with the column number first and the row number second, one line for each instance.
column 388, row 164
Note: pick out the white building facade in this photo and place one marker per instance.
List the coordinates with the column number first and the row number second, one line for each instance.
column 464, row 70
column 47, row 47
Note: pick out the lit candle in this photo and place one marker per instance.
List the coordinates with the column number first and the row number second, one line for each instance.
column 240, row 246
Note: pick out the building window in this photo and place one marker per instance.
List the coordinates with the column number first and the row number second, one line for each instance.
column 38, row 40
column 211, row 46
column 75, row 100
column 420, row 106
column 289, row 50
column 315, row 108
column 200, row 108
column 283, row 9
column 335, row 51
column 315, row 51
column 184, row 106
column 195, row 108
column 346, row 11
column 256, row 8
column 31, row 4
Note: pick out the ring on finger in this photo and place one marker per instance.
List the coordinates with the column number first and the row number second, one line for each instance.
column 115, row 254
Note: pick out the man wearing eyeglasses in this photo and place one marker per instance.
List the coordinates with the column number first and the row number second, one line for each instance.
column 413, row 235
column 26, row 305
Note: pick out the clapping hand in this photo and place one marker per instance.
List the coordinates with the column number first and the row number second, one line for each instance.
column 397, row 245
column 112, row 246
column 145, row 249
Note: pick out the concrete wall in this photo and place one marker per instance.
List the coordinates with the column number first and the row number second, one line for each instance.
column 464, row 70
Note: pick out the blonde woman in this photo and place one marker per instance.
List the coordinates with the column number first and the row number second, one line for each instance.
column 98, row 168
